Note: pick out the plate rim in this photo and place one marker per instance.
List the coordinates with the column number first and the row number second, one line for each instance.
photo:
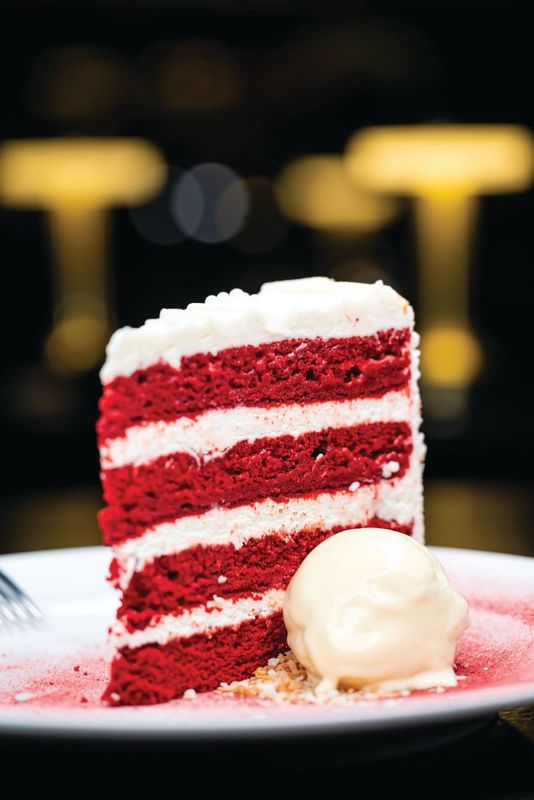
column 100, row 548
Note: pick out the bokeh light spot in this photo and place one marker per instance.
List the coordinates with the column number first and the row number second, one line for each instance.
column 210, row 203
column 196, row 77
column 75, row 344
column 316, row 191
column 450, row 356
column 231, row 210
column 153, row 220
column 79, row 83
column 187, row 203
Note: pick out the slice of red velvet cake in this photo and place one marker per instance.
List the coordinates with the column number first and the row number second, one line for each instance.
column 234, row 437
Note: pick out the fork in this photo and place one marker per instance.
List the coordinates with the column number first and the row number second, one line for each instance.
column 16, row 608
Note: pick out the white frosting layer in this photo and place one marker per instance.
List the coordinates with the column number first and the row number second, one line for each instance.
column 218, row 613
column 310, row 308
column 213, row 432
column 398, row 500
column 307, row 308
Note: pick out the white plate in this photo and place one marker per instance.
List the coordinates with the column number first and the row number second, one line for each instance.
column 51, row 678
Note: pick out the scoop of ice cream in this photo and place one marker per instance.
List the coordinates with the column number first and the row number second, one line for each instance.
column 374, row 608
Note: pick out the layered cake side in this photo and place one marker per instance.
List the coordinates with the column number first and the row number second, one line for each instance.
column 235, row 436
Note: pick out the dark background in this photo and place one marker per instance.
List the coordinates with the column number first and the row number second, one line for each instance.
column 306, row 76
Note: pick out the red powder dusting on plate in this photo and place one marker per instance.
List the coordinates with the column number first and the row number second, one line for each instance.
column 497, row 650
column 54, row 682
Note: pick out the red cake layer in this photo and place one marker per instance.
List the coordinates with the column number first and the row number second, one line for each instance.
column 158, row 673
column 178, row 485
column 171, row 584
column 293, row 370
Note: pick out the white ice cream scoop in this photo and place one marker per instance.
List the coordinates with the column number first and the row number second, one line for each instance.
column 374, row 608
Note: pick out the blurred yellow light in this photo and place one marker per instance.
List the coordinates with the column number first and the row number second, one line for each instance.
column 76, row 181
column 75, row 344
column 74, row 83
column 444, row 167
column 316, row 191
column 197, row 78
column 478, row 159
column 51, row 173
column 450, row 356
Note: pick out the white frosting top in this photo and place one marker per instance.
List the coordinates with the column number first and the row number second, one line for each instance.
column 374, row 608
column 305, row 308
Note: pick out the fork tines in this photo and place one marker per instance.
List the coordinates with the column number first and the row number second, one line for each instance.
column 16, row 608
